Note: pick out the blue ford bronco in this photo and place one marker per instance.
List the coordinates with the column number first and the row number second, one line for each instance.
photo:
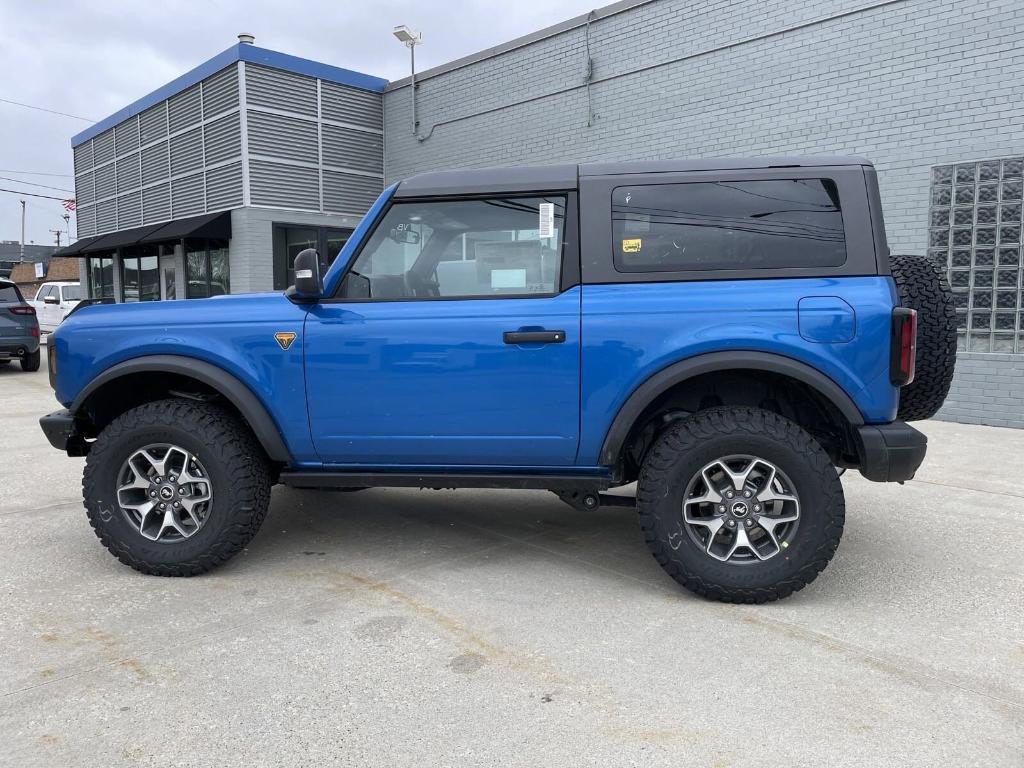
column 731, row 335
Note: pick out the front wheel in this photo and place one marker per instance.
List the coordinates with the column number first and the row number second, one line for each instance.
column 175, row 487
column 740, row 505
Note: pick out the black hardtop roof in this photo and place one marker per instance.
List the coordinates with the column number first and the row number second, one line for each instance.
column 539, row 178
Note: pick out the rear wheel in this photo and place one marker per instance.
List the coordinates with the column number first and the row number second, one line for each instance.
column 175, row 487
column 740, row 505
column 30, row 362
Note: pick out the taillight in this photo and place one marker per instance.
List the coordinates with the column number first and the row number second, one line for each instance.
column 903, row 349
column 22, row 310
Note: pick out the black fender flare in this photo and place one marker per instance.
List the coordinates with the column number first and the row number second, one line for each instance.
column 237, row 393
column 668, row 377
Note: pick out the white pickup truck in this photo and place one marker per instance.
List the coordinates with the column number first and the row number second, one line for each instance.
column 53, row 301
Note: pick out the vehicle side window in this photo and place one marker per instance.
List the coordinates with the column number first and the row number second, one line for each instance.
column 9, row 294
column 45, row 291
column 723, row 225
column 509, row 246
column 72, row 292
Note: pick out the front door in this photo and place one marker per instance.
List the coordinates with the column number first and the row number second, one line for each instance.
column 451, row 341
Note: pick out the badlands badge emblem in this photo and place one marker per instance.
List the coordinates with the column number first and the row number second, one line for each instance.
column 284, row 338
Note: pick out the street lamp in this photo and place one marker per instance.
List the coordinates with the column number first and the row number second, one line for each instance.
column 410, row 40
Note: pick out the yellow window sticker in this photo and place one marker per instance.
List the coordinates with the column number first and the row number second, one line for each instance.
column 632, row 246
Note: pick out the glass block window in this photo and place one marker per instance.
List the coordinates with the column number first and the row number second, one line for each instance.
column 975, row 231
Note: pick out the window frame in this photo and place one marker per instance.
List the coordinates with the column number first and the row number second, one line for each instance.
column 863, row 256
column 207, row 262
column 91, row 284
column 569, row 266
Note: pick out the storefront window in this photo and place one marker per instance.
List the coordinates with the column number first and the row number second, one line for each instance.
column 206, row 268
column 140, row 274
column 101, row 277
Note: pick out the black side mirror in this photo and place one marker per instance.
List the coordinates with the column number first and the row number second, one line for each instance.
column 309, row 283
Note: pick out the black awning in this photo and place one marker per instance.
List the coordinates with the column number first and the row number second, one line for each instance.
column 76, row 247
column 123, row 237
column 209, row 225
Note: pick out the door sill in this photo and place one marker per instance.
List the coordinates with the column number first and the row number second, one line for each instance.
column 513, row 480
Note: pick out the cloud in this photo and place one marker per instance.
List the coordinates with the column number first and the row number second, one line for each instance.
column 92, row 59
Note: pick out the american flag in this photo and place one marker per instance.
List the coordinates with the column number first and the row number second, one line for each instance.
column 69, row 204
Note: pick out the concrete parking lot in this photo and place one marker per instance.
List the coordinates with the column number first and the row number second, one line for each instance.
column 395, row 628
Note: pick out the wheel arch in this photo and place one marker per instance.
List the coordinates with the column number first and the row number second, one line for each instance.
column 225, row 384
column 673, row 375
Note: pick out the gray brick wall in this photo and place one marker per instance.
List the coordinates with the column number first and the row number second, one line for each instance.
column 908, row 84
column 988, row 389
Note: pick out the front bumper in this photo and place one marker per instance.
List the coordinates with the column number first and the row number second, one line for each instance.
column 890, row 453
column 59, row 428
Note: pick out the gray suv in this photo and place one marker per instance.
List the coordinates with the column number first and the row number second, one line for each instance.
column 19, row 328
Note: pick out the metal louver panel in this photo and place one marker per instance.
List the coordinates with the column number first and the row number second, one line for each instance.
column 187, row 196
column 85, row 221
column 346, row 193
column 350, row 105
column 224, row 187
column 187, row 151
column 126, row 135
column 105, row 182
column 183, row 109
column 223, row 139
column 284, row 137
column 357, row 150
column 84, row 192
column 83, row 157
column 154, row 163
column 128, row 174
column 220, row 92
column 129, row 210
column 153, row 123
column 156, row 204
column 284, row 185
column 265, row 87
column 103, row 147
column 106, row 216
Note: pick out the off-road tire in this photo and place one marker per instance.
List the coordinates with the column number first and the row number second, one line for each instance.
column 30, row 362
column 921, row 285
column 690, row 444
column 238, row 471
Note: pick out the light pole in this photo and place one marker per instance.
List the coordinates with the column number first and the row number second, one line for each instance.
column 67, row 225
column 21, row 255
column 410, row 40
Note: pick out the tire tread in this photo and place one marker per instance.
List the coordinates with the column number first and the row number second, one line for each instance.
column 688, row 434
column 231, row 443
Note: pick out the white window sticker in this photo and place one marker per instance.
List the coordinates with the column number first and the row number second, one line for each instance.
column 546, row 227
column 508, row 278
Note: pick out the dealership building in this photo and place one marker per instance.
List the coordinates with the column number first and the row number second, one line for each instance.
column 215, row 181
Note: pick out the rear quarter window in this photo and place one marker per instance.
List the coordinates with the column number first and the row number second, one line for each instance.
column 727, row 225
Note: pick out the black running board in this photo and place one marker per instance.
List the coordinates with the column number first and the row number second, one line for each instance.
column 519, row 481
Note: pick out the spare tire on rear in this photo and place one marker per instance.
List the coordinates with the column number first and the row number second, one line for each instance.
column 923, row 286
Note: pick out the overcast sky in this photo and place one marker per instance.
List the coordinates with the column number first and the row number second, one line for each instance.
column 92, row 59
